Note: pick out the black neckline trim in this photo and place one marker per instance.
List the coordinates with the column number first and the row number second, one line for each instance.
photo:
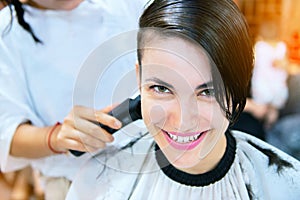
column 199, row 179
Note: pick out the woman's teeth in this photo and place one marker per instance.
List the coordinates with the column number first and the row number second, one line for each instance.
column 184, row 139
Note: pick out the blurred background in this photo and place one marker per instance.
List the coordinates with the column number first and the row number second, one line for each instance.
column 286, row 15
column 274, row 22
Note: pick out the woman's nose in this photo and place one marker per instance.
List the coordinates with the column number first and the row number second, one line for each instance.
column 188, row 116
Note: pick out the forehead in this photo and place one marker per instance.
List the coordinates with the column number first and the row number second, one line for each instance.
column 177, row 56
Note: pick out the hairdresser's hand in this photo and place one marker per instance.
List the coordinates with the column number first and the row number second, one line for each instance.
column 78, row 132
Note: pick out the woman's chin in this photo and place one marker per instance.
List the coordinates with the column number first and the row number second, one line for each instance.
column 182, row 161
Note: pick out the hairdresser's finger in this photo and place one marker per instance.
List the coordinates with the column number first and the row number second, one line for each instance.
column 82, row 147
column 68, row 132
column 88, row 140
column 108, row 120
column 100, row 116
column 90, row 113
column 83, row 112
column 86, row 127
column 109, row 108
column 90, row 129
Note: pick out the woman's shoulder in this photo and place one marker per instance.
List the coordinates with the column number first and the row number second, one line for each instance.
column 270, row 167
column 251, row 145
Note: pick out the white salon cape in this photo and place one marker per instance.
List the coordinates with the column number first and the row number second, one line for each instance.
column 38, row 81
column 249, row 169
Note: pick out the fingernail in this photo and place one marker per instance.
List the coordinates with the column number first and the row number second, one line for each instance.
column 118, row 124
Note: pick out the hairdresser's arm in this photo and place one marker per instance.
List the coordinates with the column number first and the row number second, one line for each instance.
column 30, row 141
column 77, row 132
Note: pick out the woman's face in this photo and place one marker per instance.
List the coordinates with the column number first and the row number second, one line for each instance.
column 178, row 104
column 57, row 4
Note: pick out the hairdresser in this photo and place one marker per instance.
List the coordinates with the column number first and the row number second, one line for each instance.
column 43, row 45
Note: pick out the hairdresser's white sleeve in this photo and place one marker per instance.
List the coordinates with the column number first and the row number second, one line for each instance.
column 15, row 105
column 37, row 81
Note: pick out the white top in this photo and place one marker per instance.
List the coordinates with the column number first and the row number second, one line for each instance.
column 269, row 83
column 244, row 170
column 37, row 80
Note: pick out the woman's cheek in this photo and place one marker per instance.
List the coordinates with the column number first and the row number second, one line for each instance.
column 154, row 113
column 218, row 118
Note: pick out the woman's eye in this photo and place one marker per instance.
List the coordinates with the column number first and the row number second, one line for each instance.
column 160, row 89
column 207, row 93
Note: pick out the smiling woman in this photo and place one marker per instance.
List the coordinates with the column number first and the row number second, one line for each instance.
column 194, row 66
column 176, row 76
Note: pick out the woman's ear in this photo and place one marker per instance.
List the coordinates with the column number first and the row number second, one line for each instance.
column 138, row 75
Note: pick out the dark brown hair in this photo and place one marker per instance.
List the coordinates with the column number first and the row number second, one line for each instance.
column 221, row 30
column 18, row 7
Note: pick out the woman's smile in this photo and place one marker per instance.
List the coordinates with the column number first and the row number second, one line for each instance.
column 184, row 141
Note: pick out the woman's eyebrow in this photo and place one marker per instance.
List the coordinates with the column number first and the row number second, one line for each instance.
column 205, row 85
column 160, row 82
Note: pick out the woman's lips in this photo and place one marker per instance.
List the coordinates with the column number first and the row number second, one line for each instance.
column 183, row 141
